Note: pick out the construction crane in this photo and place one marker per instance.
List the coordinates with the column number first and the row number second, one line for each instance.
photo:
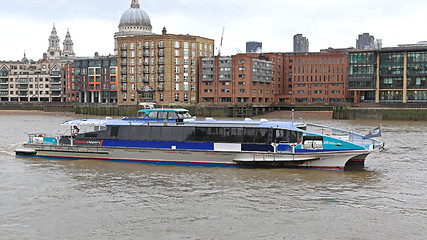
column 220, row 46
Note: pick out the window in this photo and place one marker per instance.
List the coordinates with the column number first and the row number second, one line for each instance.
column 176, row 44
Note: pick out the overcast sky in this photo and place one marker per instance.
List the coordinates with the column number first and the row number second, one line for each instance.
column 26, row 24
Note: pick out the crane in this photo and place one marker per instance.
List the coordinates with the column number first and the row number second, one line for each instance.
column 220, row 46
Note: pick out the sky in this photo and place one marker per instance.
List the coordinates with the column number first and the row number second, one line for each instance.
column 26, row 24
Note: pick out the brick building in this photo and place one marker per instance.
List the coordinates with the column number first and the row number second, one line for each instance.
column 156, row 68
column 160, row 68
column 92, row 80
column 241, row 78
column 275, row 78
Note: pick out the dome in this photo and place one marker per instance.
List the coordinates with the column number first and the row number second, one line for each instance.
column 135, row 17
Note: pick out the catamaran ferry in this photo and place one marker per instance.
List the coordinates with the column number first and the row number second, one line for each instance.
column 173, row 137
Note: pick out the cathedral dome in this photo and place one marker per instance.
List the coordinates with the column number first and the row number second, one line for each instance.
column 135, row 17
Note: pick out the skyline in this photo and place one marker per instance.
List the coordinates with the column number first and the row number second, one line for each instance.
column 28, row 24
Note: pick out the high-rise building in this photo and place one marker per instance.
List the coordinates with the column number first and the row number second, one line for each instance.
column 365, row 41
column 157, row 68
column 253, row 47
column 300, row 43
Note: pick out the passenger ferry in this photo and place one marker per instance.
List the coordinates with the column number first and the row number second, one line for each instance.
column 174, row 137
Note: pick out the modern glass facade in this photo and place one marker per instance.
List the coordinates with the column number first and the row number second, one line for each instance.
column 389, row 75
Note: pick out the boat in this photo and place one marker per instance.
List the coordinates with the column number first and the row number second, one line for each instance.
column 173, row 137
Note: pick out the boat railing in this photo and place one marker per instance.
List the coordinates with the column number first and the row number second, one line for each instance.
column 345, row 136
column 41, row 138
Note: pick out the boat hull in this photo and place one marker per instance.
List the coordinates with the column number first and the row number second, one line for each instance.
column 323, row 160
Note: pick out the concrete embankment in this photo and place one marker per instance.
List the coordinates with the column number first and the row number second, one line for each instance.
column 412, row 114
column 271, row 111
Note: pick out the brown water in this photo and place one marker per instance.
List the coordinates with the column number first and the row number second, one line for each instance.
column 55, row 199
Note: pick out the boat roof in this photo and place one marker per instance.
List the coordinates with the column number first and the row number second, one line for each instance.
column 211, row 123
column 163, row 110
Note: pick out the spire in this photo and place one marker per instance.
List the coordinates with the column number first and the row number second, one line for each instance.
column 68, row 45
column 54, row 50
column 135, row 4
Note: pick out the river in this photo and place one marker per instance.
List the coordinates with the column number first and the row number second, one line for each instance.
column 59, row 199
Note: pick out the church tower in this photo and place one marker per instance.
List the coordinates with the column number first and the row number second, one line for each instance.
column 54, row 51
column 68, row 46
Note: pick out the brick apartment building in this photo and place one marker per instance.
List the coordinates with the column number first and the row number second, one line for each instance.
column 91, row 80
column 274, row 78
column 242, row 78
column 160, row 68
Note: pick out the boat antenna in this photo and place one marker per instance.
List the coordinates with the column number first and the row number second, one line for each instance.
column 293, row 116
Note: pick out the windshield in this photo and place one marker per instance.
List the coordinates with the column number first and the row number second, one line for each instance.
column 183, row 115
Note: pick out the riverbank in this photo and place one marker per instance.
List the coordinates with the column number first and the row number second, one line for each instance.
column 270, row 111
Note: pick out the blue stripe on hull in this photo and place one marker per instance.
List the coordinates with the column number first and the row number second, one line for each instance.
column 158, row 144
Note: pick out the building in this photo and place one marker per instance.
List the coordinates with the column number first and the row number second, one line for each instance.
column 92, row 80
column 389, row 75
column 134, row 22
column 418, row 44
column 237, row 79
column 157, row 68
column 300, row 43
column 320, row 78
column 54, row 50
column 31, row 81
column 365, row 41
column 253, row 47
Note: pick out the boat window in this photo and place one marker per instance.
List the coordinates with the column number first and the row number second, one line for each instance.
column 167, row 134
column 162, row 115
column 200, row 134
column 124, row 132
column 282, row 135
column 133, row 134
column 152, row 115
column 155, row 133
column 114, row 131
column 232, row 134
column 142, row 114
column 172, row 115
column 99, row 128
column 178, row 134
column 256, row 135
column 144, row 133
column 183, row 115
